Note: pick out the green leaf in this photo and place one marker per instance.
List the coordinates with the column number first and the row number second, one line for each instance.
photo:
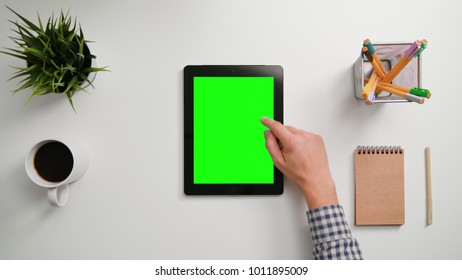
column 47, row 47
column 28, row 99
column 15, row 55
column 25, row 20
column 40, row 21
column 23, row 80
column 38, row 53
column 21, row 28
column 82, row 89
column 14, row 50
column 19, row 74
column 85, row 78
column 71, row 83
column 91, row 69
column 81, row 33
column 27, row 84
column 81, row 44
column 70, row 68
column 69, row 97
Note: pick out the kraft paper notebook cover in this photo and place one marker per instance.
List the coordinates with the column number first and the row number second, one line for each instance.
column 379, row 186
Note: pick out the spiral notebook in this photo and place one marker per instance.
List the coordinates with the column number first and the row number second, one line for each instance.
column 379, row 185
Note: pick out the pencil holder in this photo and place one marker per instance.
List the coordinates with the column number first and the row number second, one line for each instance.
column 389, row 54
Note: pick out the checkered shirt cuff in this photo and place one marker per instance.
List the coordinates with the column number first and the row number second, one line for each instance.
column 331, row 234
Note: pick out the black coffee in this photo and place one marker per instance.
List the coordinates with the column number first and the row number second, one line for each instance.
column 53, row 162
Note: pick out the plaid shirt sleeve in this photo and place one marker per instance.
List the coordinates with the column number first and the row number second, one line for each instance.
column 332, row 239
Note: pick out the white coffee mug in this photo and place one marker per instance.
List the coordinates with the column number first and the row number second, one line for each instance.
column 54, row 164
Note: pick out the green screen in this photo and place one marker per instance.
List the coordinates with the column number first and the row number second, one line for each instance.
column 229, row 145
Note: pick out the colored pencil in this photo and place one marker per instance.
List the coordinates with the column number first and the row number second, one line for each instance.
column 416, row 91
column 367, row 54
column 403, row 94
column 371, row 97
column 371, row 49
column 368, row 87
column 407, row 57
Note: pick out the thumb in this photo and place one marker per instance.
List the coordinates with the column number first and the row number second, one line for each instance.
column 273, row 148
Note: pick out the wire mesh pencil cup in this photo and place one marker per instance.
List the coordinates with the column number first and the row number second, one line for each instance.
column 389, row 54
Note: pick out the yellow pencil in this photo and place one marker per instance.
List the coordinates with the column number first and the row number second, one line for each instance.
column 374, row 60
column 375, row 83
column 416, row 91
column 371, row 96
column 403, row 94
column 369, row 45
column 368, row 87
column 401, row 88
column 367, row 54
column 407, row 57
column 377, row 69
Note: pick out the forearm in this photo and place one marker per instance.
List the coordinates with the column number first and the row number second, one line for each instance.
column 331, row 235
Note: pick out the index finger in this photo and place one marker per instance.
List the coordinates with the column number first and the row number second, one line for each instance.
column 278, row 129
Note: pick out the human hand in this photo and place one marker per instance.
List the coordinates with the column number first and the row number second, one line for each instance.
column 302, row 158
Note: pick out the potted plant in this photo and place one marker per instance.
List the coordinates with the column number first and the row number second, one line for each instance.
column 56, row 54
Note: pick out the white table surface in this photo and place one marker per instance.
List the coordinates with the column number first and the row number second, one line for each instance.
column 130, row 203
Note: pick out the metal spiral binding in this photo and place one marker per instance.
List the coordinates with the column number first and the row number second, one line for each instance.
column 372, row 150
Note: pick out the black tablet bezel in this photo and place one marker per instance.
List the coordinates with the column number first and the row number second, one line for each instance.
column 227, row 71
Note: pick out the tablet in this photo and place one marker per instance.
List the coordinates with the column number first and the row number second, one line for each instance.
column 224, row 144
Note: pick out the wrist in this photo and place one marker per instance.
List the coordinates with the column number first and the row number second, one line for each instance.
column 320, row 194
